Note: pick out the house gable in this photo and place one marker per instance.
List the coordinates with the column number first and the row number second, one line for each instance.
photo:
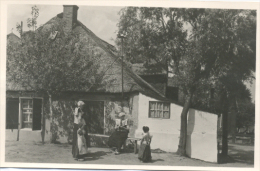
column 110, row 71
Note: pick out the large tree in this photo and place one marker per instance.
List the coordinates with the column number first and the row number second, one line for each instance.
column 155, row 36
column 203, row 46
column 228, row 43
column 51, row 61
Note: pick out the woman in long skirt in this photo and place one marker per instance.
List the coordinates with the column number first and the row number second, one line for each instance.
column 82, row 143
column 77, row 117
column 144, row 153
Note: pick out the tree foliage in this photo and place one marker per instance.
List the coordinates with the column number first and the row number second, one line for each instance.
column 155, row 36
column 52, row 65
column 51, row 61
column 206, row 48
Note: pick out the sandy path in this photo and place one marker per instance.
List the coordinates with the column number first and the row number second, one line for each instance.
column 31, row 152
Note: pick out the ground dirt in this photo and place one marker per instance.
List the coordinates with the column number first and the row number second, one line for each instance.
column 36, row 152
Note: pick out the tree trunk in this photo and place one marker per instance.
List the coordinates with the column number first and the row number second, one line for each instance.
column 183, row 132
column 234, row 118
column 51, row 119
column 43, row 128
column 225, row 125
column 234, row 129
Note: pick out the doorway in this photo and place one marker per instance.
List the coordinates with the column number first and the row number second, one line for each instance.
column 94, row 116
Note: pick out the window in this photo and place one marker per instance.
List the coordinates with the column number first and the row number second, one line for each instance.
column 159, row 110
column 27, row 113
column 31, row 113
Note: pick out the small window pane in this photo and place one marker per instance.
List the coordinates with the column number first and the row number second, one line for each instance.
column 25, row 117
column 152, row 113
column 166, row 115
column 30, row 117
column 156, row 114
column 166, row 107
column 152, row 104
column 30, row 103
column 160, row 114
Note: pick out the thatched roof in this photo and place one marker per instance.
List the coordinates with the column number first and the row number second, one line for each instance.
column 110, row 65
column 12, row 37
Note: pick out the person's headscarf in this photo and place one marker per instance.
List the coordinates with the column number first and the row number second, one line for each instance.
column 80, row 103
column 121, row 114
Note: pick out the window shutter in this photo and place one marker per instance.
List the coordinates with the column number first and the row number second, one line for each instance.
column 37, row 114
column 12, row 113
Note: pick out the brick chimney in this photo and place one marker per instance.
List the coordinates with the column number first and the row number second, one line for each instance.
column 70, row 13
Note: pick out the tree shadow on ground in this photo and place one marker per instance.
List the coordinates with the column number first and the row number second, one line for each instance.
column 127, row 150
column 242, row 156
column 94, row 156
column 237, row 156
column 156, row 160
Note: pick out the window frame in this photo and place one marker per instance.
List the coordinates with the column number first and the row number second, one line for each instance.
column 156, row 102
column 28, row 113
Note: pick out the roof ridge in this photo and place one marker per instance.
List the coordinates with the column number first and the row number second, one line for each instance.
column 13, row 34
column 113, row 55
column 110, row 49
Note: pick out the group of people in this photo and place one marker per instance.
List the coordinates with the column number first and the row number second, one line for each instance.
column 116, row 140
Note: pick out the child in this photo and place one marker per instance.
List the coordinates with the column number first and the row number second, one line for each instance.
column 145, row 151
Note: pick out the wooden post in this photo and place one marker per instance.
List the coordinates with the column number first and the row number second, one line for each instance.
column 51, row 119
column 135, row 147
column 18, row 131
column 43, row 124
column 19, row 120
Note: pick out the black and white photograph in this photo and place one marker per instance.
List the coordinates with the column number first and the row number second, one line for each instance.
column 130, row 86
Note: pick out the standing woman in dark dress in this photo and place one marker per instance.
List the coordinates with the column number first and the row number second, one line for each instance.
column 78, row 112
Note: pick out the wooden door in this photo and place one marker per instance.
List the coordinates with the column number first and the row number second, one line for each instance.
column 94, row 116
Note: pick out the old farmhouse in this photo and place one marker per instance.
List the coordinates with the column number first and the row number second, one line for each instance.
column 144, row 104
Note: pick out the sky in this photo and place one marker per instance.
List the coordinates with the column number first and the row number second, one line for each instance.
column 100, row 20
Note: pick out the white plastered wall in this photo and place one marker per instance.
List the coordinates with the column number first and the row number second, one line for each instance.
column 201, row 136
column 165, row 131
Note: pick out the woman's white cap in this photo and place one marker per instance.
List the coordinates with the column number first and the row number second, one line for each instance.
column 80, row 103
column 121, row 114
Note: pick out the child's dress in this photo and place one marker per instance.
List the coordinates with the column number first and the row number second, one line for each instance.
column 144, row 153
column 82, row 143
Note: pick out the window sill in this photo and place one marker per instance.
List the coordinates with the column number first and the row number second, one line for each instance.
column 160, row 118
column 29, row 129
